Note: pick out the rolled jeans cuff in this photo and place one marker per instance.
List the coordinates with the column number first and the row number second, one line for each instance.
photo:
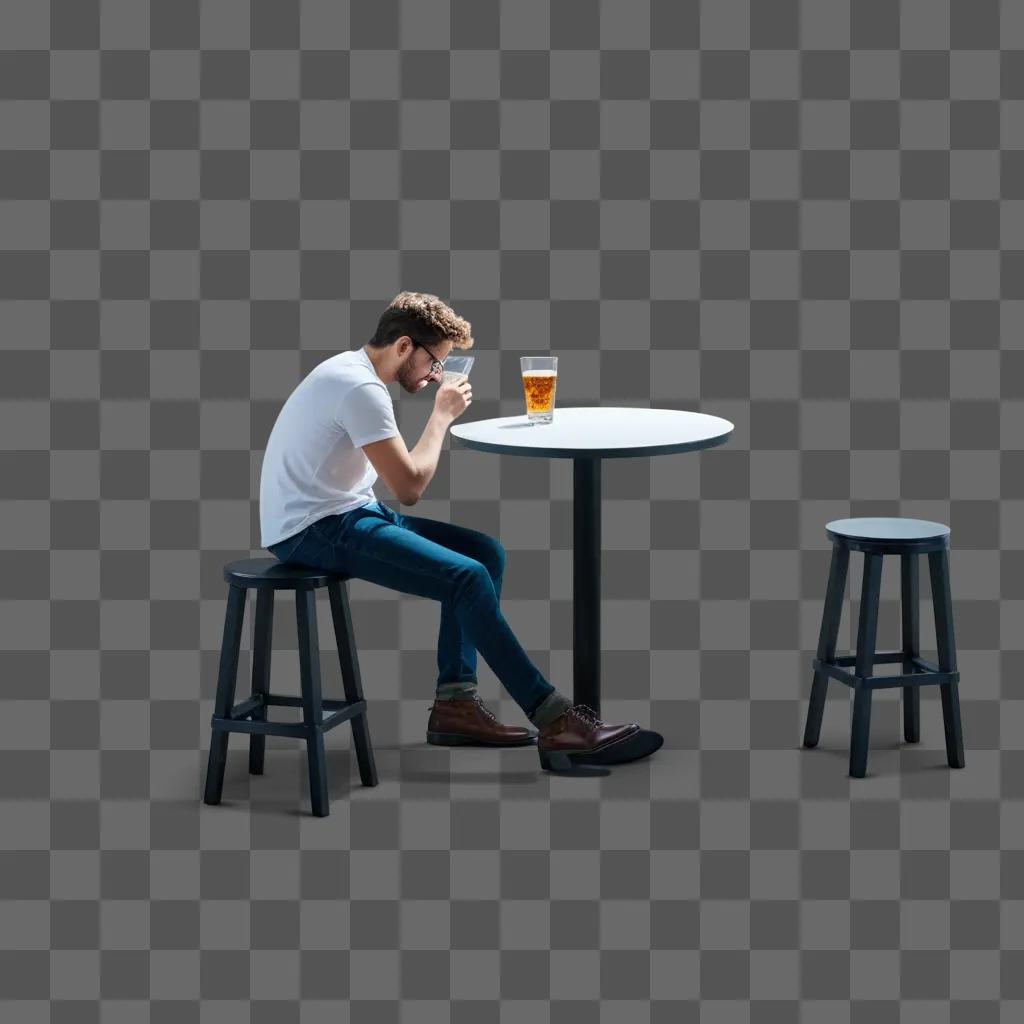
column 553, row 705
column 453, row 691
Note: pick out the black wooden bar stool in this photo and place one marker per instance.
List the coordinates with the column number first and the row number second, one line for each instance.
column 265, row 576
column 907, row 538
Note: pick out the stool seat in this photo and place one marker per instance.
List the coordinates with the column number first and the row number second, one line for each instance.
column 270, row 574
column 889, row 535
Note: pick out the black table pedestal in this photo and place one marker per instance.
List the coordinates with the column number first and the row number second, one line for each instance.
column 586, row 582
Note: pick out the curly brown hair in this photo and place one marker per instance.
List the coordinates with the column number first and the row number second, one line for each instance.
column 424, row 318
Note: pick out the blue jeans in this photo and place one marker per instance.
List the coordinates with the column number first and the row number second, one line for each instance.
column 460, row 567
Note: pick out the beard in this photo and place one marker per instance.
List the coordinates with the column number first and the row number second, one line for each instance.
column 412, row 383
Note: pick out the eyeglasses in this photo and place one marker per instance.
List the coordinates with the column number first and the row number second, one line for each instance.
column 436, row 365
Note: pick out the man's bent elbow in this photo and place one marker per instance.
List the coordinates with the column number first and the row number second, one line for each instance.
column 413, row 491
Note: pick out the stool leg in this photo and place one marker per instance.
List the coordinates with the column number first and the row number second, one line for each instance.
column 351, row 680
column 312, row 704
column 942, row 602
column 867, row 632
column 910, row 616
column 225, row 697
column 830, row 619
column 860, row 733
column 262, row 647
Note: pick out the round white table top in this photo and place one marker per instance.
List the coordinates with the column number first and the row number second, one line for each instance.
column 606, row 432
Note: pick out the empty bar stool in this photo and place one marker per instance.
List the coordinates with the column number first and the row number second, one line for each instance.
column 907, row 538
column 265, row 576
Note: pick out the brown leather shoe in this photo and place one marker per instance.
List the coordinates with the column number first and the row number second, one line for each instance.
column 579, row 737
column 465, row 722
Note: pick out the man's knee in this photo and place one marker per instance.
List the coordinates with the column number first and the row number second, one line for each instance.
column 495, row 558
column 474, row 576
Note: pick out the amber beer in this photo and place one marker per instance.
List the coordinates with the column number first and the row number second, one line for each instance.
column 540, row 391
column 540, row 377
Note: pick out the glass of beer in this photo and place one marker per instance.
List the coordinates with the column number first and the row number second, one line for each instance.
column 540, row 373
column 457, row 368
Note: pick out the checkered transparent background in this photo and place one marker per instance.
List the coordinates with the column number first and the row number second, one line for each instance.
column 806, row 217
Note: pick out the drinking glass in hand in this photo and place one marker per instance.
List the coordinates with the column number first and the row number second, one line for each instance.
column 457, row 368
column 540, row 375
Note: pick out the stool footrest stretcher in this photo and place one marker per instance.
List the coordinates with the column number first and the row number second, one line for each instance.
column 925, row 673
column 239, row 719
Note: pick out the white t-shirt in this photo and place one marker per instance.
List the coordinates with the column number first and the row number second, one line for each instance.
column 314, row 465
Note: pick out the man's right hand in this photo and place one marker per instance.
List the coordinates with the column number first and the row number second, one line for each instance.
column 454, row 398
